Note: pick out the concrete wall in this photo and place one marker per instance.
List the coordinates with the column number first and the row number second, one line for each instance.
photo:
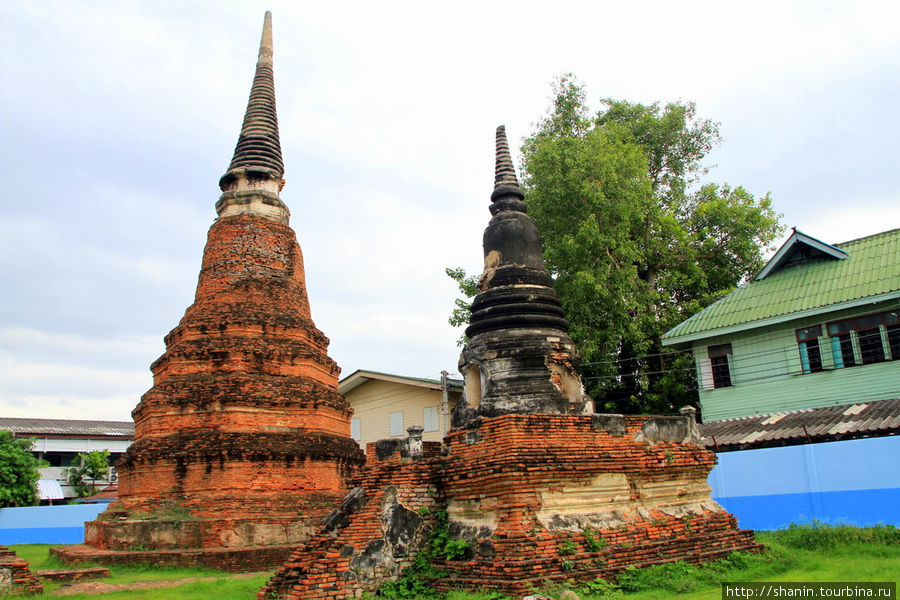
column 46, row 524
column 767, row 377
column 854, row 481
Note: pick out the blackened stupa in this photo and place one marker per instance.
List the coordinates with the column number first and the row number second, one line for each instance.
column 519, row 357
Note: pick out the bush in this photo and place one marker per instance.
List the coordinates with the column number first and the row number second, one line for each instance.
column 18, row 471
column 822, row 536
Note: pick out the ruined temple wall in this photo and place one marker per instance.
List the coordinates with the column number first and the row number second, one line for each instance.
column 526, row 492
column 572, row 465
column 253, row 531
column 529, row 491
column 15, row 576
column 221, row 417
column 375, row 532
column 235, row 486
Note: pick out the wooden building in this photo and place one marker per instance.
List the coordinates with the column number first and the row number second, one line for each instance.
column 384, row 405
column 819, row 326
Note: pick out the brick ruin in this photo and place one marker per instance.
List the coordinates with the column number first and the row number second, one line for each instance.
column 243, row 459
column 243, row 443
column 15, row 576
column 531, row 486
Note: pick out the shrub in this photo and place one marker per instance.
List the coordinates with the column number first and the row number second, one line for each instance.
column 822, row 536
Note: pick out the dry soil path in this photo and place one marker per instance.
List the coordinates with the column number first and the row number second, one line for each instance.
column 98, row 587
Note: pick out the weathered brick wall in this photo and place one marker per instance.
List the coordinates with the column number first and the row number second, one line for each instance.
column 373, row 535
column 527, row 491
column 235, row 560
column 15, row 575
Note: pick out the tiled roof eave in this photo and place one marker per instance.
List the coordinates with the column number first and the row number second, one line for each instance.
column 863, row 419
column 776, row 319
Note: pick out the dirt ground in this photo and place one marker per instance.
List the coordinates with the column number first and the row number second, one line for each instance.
column 98, row 587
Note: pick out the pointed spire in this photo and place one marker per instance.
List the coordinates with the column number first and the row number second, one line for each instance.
column 507, row 194
column 254, row 178
column 504, row 172
column 258, row 149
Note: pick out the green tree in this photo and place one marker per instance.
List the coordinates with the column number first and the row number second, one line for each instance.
column 462, row 309
column 18, row 471
column 636, row 241
column 88, row 468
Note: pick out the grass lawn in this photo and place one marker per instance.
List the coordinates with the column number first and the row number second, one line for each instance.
column 800, row 553
column 212, row 584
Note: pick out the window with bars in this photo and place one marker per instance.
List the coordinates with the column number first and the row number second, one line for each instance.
column 721, row 371
column 893, row 336
column 810, row 353
column 865, row 340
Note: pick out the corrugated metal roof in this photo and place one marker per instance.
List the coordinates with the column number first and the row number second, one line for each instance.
column 831, row 423
column 68, row 427
column 49, row 489
column 871, row 271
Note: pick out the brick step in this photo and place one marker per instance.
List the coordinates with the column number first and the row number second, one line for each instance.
column 73, row 574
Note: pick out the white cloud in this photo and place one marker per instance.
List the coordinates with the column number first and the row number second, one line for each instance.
column 124, row 116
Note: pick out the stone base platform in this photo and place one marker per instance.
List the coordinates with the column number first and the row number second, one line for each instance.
column 235, row 560
column 520, row 502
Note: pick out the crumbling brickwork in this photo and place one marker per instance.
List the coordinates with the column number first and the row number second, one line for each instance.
column 235, row 560
column 526, row 492
column 243, row 441
column 15, row 576
column 244, row 431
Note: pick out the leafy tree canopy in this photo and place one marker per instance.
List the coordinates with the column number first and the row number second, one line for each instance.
column 18, row 471
column 88, row 468
column 636, row 240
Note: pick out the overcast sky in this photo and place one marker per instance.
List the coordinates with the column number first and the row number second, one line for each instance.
column 118, row 118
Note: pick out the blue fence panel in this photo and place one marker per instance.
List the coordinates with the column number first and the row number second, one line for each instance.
column 853, row 481
column 46, row 524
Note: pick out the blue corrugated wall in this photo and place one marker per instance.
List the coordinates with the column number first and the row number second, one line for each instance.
column 46, row 524
column 854, row 481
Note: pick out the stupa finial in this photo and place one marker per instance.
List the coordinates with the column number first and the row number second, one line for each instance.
column 258, row 150
column 265, row 42
column 507, row 194
column 257, row 164
column 504, row 173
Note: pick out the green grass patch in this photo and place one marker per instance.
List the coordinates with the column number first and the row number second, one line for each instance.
column 813, row 552
column 226, row 586
column 39, row 558
column 818, row 536
column 810, row 552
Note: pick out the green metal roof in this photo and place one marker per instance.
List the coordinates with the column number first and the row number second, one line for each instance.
column 870, row 273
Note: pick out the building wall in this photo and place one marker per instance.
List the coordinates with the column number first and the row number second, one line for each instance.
column 853, row 481
column 61, row 451
column 767, row 377
column 375, row 401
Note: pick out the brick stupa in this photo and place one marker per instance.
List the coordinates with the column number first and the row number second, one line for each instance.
column 243, row 442
column 531, row 489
